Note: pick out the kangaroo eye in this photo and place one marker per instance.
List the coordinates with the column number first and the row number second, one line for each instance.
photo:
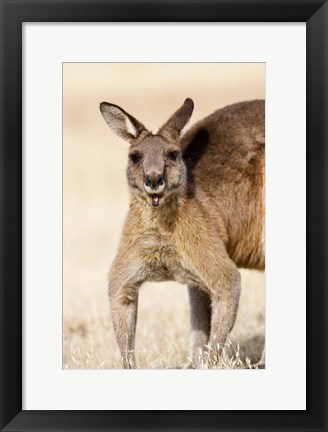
column 135, row 157
column 172, row 155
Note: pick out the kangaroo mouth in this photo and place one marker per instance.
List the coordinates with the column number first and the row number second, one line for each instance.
column 155, row 200
column 155, row 194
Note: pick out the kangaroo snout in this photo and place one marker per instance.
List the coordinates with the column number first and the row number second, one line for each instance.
column 154, row 180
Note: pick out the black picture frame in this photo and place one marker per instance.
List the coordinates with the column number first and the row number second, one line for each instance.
column 13, row 14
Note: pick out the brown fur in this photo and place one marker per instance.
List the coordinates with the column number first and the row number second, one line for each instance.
column 207, row 219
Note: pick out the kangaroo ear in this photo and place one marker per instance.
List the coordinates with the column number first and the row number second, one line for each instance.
column 173, row 127
column 122, row 124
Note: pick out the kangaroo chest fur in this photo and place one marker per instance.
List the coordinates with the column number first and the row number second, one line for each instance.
column 159, row 243
column 163, row 259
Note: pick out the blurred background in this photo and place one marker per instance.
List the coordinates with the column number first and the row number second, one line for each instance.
column 96, row 201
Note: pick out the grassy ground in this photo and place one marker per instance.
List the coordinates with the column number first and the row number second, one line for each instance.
column 162, row 331
column 96, row 201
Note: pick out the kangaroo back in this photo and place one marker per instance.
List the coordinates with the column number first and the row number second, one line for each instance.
column 225, row 154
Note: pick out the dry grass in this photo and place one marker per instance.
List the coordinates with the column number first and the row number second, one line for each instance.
column 162, row 331
column 96, row 201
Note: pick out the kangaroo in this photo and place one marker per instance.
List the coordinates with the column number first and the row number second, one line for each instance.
column 196, row 215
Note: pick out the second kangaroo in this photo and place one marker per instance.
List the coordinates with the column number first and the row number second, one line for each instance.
column 196, row 215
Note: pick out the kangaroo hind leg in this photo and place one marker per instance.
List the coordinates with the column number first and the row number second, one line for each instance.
column 200, row 321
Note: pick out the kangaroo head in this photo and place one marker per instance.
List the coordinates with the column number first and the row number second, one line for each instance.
column 156, row 169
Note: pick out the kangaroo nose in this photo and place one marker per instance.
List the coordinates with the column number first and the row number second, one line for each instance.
column 154, row 180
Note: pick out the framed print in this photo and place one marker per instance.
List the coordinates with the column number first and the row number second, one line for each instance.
column 69, row 70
